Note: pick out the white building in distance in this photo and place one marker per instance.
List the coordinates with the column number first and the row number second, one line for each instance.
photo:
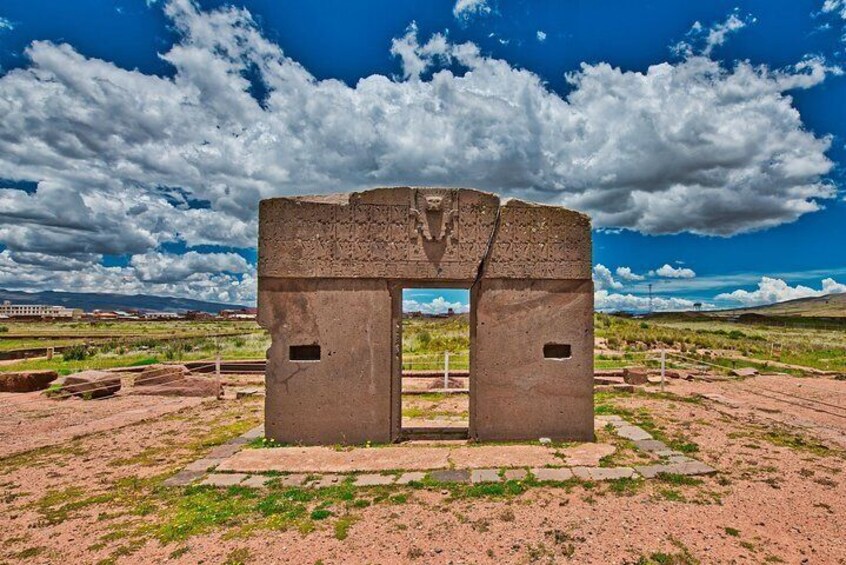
column 9, row 310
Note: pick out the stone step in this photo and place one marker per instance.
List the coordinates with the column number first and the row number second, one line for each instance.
column 412, row 434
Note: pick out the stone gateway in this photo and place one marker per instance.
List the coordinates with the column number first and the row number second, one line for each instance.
column 331, row 272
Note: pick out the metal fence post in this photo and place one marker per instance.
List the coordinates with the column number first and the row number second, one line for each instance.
column 217, row 366
column 446, row 369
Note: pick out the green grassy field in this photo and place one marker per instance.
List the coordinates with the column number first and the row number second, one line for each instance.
column 628, row 342
column 117, row 344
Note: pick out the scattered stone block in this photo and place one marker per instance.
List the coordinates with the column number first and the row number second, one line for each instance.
column 484, row 476
column 633, row 433
column 556, row 474
column 154, row 375
column 224, row 479
column 91, row 384
column 515, row 474
column 184, row 386
column 610, row 473
column 373, row 480
column 26, row 381
column 413, row 476
column 451, row 476
column 676, row 374
column 745, row 372
column 635, row 376
column 245, row 392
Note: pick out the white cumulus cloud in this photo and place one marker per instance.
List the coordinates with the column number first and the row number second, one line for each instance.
column 603, row 279
column 670, row 272
column 438, row 305
column 541, row 35
column 772, row 290
column 626, row 273
column 465, row 9
column 605, row 301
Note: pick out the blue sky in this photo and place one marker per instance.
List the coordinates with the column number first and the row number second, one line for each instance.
column 704, row 137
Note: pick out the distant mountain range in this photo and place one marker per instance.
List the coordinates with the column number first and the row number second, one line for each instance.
column 104, row 301
column 829, row 306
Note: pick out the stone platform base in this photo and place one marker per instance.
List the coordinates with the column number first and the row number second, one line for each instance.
column 446, row 462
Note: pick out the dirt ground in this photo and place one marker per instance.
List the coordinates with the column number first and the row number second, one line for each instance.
column 778, row 497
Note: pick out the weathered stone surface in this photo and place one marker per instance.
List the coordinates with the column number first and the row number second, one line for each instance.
column 373, row 479
column 331, row 273
column 518, row 392
column 544, row 474
column 413, row 476
column 91, row 384
column 582, row 473
column 484, row 476
column 327, row 481
column 635, row 376
column 651, row 445
column 160, row 374
column 292, row 480
column 745, row 372
column 183, row 478
column 184, row 386
column 414, row 233
column 689, row 468
column 515, row 474
column 610, row 473
column 256, row 481
column 224, row 479
column 450, row 476
column 633, row 433
column 26, row 381
column 475, row 457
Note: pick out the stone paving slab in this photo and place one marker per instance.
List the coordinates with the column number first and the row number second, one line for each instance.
column 610, row 473
column 633, row 433
column 451, row 476
column 515, row 474
column 183, row 478
column 582, row 473
column 413, row 476
column 651, row 445
column 449, row 462
column 293, row 480
column 694, row 468
column 255, row 481
column 320, row 459
column 561, row 474
column 373, row 479
column 478, row 457
column 224, row 479
column 484, row 476
column 330, row 480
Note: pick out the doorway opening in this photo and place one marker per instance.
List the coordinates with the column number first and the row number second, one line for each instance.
column 435, row 381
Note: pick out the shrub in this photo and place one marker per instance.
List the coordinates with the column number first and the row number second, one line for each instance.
column 3, row 329
column 75, row 353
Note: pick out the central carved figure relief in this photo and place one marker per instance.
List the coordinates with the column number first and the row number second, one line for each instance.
column 331, row 273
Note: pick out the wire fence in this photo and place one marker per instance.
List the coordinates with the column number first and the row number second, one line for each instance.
column 446, row 360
